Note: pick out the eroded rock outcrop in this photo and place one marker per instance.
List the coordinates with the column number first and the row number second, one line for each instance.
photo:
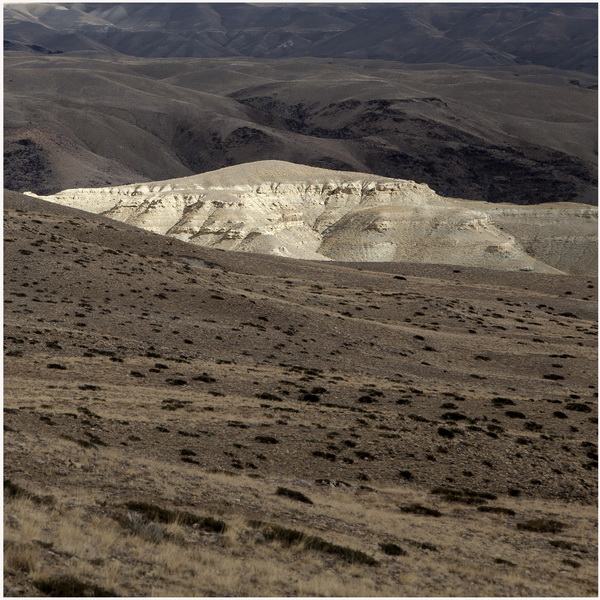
column 292, row 210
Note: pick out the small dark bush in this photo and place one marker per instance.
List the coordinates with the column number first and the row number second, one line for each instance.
column 514, row 414
column 164, row 515
column 579, row 407
column 205, row 378
column 542, row 526
column 176, row 381
column 327, row 455
column 311, row 542
column 392, row 549
column 571, row 563
column 497, row 509
column 364, row 455
column 70, row 587
column 562, row 544
column 13, row 490
column 502, row 402
column 367, row 400
column 447, row 433
column 310, row 398
column 454, row 416
column 268, row 396
column 294, row 495
column 56, row 366
column 266, row 439
column 553, row 377
column 532, row 426
column 418, row 509
column 423, row 545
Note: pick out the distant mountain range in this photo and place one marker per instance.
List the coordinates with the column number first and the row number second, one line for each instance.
column 563, row 36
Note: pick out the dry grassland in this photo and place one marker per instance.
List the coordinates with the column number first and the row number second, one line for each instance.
column 281, row 428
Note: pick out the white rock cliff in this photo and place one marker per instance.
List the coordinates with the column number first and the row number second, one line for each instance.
column 303, row 212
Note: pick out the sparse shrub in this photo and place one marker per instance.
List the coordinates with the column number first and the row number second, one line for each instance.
column 419, row 509
column 139, row 525
column 497, row 509
column 68, row 586
column 13, row 490
column 392, row 549
column 444, row 432
column 571, row 563
column 327, row 455
column 454, row 416
column 309, row 398
column 553, row 377
column 423, row 545
column 579, row 407
column 367, row 399
column 205, row 378
column 364, row 455
column 266, row 439
column 268, row 396
column 515, row 414
column 176, row 381
column 562, row 544
column 502, row 402
column 294, row 495
column 163, row 515
column 290, row 537
column 418, row 418
column 56, row 366
column 532, row 426
column 542, row 526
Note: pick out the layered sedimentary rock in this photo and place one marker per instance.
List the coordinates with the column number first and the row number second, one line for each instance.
column 296, row 211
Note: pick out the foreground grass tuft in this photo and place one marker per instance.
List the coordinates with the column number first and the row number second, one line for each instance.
column 294, row 495
column 164, row 515
column 290, row 537
column 13, row 490
column 69, row 587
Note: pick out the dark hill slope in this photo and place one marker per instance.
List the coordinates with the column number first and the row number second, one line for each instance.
column 511, row 134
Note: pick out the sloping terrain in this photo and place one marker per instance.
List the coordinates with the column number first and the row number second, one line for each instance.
column 182, row 420
column 280, row 208
column 516, row 134
column 473, row 34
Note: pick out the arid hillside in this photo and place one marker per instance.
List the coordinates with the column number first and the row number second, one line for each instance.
column 190, row 421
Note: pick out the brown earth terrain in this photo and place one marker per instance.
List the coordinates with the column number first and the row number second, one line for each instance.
column 187, row 421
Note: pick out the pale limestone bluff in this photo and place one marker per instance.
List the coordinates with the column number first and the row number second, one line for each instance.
column 291, row 210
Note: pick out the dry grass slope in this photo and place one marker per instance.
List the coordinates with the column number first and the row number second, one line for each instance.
column 159, row 396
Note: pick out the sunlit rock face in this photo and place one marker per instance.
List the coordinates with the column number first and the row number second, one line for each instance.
column 280, row 208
